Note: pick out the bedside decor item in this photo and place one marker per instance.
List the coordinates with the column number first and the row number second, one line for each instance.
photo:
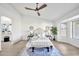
column 48, row 33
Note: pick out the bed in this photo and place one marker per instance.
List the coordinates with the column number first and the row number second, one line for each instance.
column 39, row 45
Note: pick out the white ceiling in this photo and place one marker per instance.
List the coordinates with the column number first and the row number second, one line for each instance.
column 51, row 12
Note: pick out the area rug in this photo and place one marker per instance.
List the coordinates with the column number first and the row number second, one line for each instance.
column 41, row 52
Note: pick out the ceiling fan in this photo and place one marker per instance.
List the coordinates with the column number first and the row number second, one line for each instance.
column 37, row 8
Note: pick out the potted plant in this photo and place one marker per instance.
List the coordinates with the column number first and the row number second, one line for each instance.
column 54, row 32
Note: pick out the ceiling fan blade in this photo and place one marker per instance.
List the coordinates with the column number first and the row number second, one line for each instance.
column 38, row 13
column 43, row 6
column 29, row 8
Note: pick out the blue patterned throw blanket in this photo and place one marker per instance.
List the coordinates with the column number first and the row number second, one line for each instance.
column 41, row 52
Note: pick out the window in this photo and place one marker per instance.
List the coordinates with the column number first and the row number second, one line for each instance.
column 63, row 29
column 76, row 29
